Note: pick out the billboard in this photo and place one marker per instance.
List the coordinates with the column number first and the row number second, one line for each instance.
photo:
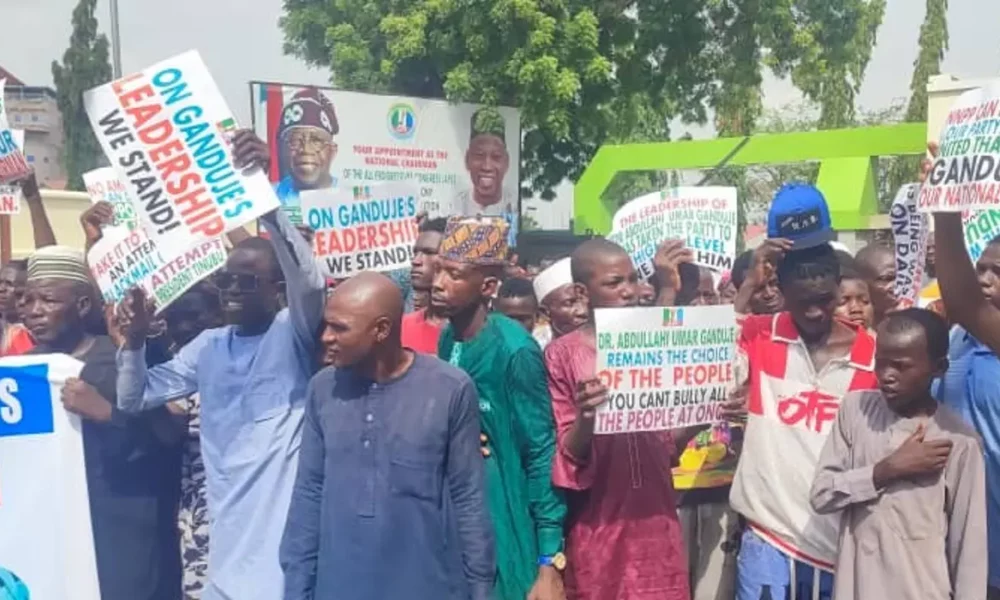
column 464, row 159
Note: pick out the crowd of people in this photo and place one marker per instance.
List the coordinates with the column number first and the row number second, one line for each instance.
column 277, row 435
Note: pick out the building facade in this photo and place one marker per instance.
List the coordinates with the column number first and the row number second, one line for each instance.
column 34, row 109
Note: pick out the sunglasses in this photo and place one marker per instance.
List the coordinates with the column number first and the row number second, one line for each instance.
column 244, row 282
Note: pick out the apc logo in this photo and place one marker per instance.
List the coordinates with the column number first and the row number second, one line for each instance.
column 25, row 401
column 402, row 121
column 673, row 317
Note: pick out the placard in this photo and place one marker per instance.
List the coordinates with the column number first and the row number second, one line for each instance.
column 910, row 232
column 166, row 132
column 47, row 542
column 462, row 158
column 104, row 185
column 704, row 217
column 664, row 367
column 124, row 259
column 10, row 195
column 966, row 173
column 13, row 164
column 365, row 228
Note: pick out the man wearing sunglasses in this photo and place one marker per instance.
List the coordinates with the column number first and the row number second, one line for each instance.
column 251, row 376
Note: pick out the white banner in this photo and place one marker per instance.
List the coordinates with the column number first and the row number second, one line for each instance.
column 10, row 195
column 704, row 217
column 364, row 229
column 664, row 367
column 166, row 131
column 462, row 162
column 910, row 232
column 13, row 165
column 126, row 257
column 966, row 173
column 47, row 542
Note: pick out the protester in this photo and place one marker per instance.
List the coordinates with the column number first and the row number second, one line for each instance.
column 906, row 475
column 877, row 263
column 390, row 453
column 515, row 412
column 516, row 300
column 132, row 478
column 705, row 293
column 195, row 311
column 765, row 298
column 251, row 377
column 799, row 364
column 727, row 289
column 972, row 299
column 647, row 293
column 559, row 305
column 623, row 539
column 854, row 303
column 422, row 326
column 14, row 336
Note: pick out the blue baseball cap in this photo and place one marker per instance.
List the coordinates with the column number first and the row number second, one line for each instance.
column 799, row 214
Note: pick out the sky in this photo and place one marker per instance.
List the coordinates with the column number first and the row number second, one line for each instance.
column 240, row 41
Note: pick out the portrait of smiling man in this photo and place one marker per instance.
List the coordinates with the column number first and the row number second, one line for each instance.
column 487, row 162
column 307, row 148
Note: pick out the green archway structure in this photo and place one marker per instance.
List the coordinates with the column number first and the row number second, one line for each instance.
column 846, row 173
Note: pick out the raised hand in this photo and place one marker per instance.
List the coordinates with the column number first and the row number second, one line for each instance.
column 94, row 218
column 135, row 318
column 250, row 152
column 669, row 255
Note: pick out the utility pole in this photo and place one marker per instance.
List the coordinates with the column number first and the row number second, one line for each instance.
column 116, row 42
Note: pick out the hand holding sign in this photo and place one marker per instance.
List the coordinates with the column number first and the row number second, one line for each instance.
column 590, row 394
column 80, row 398
column 135, row 318
column 669, row 255
column 94, row 219
column 250, row 152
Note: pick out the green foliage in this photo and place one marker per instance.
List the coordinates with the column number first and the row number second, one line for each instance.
column 582, row 72
column 84, row 65
column 825, row 46
column 933, row 42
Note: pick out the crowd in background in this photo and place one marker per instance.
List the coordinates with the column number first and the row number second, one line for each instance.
column 275, row 434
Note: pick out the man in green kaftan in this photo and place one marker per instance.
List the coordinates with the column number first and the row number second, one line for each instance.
column 507, row 367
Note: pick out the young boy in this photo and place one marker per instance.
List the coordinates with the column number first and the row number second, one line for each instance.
column 855, row 302
column 908, row 475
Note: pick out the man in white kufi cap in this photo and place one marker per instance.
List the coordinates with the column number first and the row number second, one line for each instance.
column 559, row 302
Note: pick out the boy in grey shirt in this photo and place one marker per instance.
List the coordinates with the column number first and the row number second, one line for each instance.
column 908, row 475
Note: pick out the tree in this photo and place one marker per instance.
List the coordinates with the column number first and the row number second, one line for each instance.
column 84, row 66
column 932, row 44
column 582, row 72
column 825, row 46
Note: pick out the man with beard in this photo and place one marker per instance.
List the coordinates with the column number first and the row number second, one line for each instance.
column 251, row 377
column 422, row 327
column 14, row 336
column 515, row 412
column 487, row 161
column 132, row 478
column 390, row 461
column 563, row 309
column 306, row 146
column 623, row 538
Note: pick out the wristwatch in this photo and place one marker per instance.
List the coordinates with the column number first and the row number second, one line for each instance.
column 556, row 561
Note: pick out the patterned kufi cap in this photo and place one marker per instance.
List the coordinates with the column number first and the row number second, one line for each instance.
column 480, row 241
